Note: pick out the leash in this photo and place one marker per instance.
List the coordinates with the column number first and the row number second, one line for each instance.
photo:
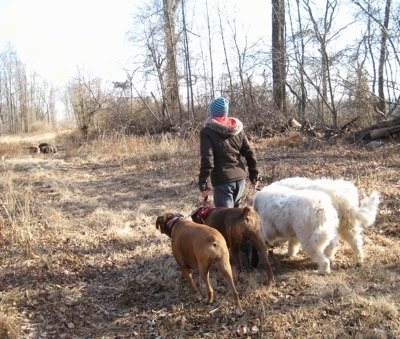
column 203, row 210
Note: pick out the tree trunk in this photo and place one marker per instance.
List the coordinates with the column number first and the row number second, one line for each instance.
column 301, row 62
column 172, row 89
column 381, row 106
column 232, row 98
column 279, row 55
column 188, row 72
column 210, row 53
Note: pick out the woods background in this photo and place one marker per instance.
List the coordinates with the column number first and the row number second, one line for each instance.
column 327, row 62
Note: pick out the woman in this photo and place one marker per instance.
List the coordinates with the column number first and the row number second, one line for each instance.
column 223, row 148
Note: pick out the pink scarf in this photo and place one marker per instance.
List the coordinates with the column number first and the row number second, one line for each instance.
column 226, row 121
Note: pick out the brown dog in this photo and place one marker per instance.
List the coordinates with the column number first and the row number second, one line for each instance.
column 198, row 246
column 237, row 225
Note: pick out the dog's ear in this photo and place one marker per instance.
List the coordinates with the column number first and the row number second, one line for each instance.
column 159, row 222
column 246, row 212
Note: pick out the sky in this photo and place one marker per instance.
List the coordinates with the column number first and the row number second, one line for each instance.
column 55, row 38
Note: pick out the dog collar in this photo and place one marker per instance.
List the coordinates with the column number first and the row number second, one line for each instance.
column 171, row 221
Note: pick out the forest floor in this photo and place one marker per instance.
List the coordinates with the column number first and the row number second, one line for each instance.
column 80, row 256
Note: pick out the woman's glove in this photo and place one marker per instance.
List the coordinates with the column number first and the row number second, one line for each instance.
column 255, row 181
column 204, row 189
column 253, row 176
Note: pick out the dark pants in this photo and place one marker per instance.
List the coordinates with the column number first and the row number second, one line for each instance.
column 229, row 195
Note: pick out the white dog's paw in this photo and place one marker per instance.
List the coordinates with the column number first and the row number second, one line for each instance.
column 319, row 272
column 323, row 271
column 324, row 268
column 359, row 260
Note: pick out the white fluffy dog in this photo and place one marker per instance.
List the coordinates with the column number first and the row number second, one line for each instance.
column 302, row 217
column 353, row 214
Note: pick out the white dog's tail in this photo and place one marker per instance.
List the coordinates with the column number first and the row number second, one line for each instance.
column 366, row 213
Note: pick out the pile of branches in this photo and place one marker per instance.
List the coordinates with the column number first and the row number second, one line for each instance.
column 382, row 130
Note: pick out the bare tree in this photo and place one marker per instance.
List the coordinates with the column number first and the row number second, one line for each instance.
column 321, row 34
column 188, row 68
column 210, row 51
column 157, row 60
column 20, row 93
column 279, row 55
column 227, row 64
column 315, row 71
column 330, row 60
column 380, row 106
column 87, row 98
column 172, row 88
column 154, row 34
column 10, row 91
column 298, row 41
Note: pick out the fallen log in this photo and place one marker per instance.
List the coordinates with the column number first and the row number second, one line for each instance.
column 380, row 130
column 384, row 132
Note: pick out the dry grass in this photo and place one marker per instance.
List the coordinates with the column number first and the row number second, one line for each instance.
column 81, row 257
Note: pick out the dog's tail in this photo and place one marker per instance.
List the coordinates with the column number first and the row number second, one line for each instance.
column 366, row 213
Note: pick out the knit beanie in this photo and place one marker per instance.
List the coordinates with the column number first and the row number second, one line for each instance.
column 219, row 107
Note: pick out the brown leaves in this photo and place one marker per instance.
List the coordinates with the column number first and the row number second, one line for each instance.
column 96, row 267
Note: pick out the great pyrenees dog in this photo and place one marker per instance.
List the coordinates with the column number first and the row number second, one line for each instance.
column 305, row 218
column 353, row 214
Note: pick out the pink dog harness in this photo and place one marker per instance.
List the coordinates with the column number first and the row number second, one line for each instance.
column 203, row 212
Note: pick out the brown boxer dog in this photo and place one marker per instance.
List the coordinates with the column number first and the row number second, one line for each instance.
column 196, row 246
column 237, row 225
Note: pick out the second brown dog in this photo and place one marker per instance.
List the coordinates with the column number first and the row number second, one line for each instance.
column 237, row 225
column 196, row 246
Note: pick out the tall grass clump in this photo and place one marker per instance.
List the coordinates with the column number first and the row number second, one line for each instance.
column 135, row 149
column 8, row 324
column 16, row 214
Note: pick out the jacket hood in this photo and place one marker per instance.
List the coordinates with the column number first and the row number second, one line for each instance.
column 224, row 125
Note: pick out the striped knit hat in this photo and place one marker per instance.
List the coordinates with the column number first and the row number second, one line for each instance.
column 219, row 107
